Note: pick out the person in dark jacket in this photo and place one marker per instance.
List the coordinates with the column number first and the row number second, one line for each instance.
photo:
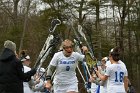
column 11, row 70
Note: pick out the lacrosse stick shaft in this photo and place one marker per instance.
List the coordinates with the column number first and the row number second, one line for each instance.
column 81, row 74
column 83, row 35
column 48, row 44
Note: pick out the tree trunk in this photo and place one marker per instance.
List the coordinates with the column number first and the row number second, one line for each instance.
column 15, row 12
column 97, row 25
column 129, row 48
column 121, row 37
column 25, row 26
column 116, row 39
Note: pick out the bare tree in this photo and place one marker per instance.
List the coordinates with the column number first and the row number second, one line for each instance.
column 27, row 4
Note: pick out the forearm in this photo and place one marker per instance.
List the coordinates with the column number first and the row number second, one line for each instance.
column 126, row 83
column 50, row 71
column 102, row 77
column 24, row 76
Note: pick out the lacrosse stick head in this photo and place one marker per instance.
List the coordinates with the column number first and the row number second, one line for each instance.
column 91, row 61
column 54, row 23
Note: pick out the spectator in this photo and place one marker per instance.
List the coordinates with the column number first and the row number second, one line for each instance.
column 11, row 70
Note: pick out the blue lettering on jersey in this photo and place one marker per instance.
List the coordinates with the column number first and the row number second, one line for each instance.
column 67, row 62
column 67, row 68
column 64, row 62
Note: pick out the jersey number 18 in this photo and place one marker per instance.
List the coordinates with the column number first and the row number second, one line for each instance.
column 119, row 76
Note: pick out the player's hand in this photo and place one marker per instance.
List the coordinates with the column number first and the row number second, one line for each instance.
column 37, row 80
column 85, row 49
column 91, row 79
column 48, row 85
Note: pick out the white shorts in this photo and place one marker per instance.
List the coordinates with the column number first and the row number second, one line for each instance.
column 93, row 88
column 116, row 89
column 64, row 88
column 103, row 89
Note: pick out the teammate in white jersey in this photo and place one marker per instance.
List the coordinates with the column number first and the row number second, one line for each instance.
column 96, row 81
column 116, row 74
column 103, row 84
column 39, row 81
column 64, row 63
column 25, row 59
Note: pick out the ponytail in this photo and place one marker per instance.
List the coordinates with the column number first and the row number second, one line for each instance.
column 115, row 53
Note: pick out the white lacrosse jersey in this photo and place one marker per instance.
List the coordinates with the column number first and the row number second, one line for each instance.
column 103, row 88
column 116, row 73
column 65, row 67
column 27, row 89
column 108, row 63
column 93, row 88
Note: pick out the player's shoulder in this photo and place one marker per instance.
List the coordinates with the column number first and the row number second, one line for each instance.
column 75, row 53
column 58, row 53
column 108, row 63
column 113, row 66
column 122, row 63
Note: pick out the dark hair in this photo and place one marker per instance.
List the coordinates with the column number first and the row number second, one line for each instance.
column 23, row 55
column 115, row 53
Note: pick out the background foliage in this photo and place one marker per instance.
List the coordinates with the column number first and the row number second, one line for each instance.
column 106, row 23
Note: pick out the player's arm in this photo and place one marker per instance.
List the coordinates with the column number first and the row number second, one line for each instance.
column 51, row 67
column 50, row 71
column 126, row 83
column 102, row 77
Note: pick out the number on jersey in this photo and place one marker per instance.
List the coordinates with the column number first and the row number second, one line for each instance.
column 119, row 76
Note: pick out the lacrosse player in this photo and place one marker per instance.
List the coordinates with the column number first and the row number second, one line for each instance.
column 64, row 63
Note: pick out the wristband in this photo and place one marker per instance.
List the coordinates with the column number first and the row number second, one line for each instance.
column 48, row 77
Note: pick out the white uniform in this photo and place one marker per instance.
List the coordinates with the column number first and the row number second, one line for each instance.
column 103, row 89
column 93, row 88
column 27, row 89
column 39, row 88
column 94, row 85
column 116, row 73
column 108, row 63
column 65, row 78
